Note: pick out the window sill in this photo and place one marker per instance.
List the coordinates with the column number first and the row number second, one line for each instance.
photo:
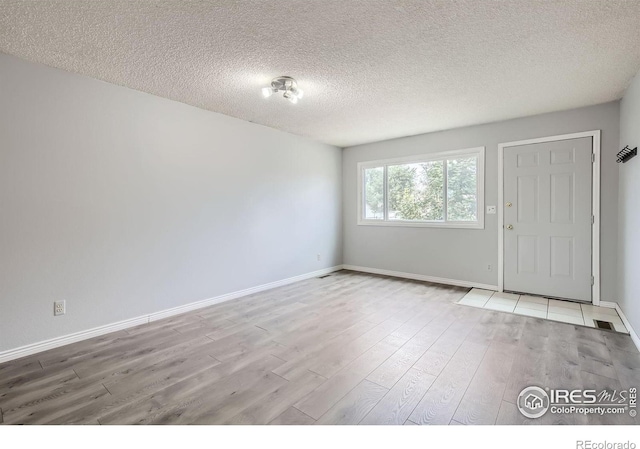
column 421, row 224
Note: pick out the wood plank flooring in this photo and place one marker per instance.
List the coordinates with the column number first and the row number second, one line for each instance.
column 350, row 348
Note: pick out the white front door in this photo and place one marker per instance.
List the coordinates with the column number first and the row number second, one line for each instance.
column 548, row 218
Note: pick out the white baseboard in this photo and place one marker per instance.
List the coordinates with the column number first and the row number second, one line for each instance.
column 627, row 324
column 421, row 277
column 56, row 342
column 240, row 293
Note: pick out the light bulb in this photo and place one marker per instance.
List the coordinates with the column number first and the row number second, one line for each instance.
column 297, row 92
column 289, row 95
column 267, row 92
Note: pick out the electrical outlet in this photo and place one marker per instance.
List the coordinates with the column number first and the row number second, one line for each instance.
column 59, row 308
column 489, row 267
column 318, row 256
column 491, row 210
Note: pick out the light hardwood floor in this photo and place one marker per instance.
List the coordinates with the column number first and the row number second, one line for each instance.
column 346, row 349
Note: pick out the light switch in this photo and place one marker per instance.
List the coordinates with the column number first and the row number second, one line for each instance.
column 491, row 209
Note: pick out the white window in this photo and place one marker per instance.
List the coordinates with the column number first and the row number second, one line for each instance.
column 440, row 190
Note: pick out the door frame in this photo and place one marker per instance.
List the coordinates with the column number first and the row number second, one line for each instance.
column 595, row 206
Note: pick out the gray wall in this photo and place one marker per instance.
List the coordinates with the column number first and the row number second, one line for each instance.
column 464, row 254
column 124, row 204
column 629, row 207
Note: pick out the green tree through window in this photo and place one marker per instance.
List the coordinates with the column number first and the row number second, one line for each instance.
column 462, row 196
column 374, row 193
column 416, row 191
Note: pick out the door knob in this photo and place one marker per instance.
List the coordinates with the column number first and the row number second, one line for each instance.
column 509, row 204
column 509, row 227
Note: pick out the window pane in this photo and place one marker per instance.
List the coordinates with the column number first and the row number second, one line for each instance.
column 374, row 193
column 462, row 189
column 416, row 191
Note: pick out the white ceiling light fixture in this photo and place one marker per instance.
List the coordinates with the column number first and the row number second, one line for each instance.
column 284, row 84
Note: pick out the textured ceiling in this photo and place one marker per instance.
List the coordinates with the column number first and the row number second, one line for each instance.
column 371, row 70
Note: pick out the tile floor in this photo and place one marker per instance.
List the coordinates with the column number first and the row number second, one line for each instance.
column 536, row 306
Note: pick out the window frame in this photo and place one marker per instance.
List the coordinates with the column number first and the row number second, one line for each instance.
column 478, row 152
